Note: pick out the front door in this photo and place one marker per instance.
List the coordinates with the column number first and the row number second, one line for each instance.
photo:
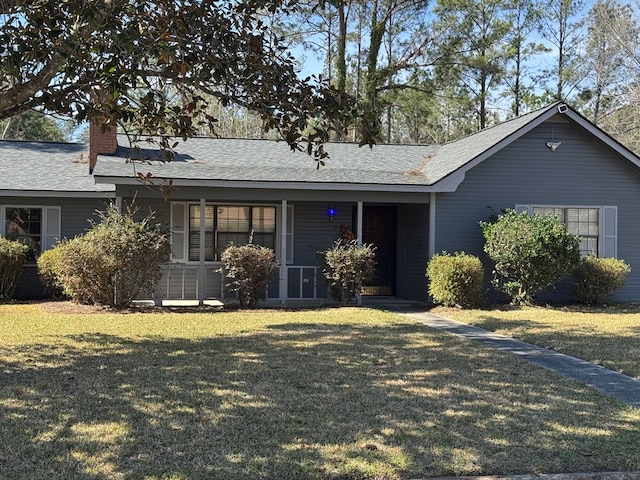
column 379, row 228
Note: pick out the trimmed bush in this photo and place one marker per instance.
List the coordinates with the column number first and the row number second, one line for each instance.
column 115, row 261
column 455, row 280
column 597, row 278
column 346, row 267
column 13, row 255
column 531, row 253
column 50, row 269
column 249, row 269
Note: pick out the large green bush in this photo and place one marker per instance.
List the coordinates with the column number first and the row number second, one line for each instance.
column 50, row 269
column 597, row 278
column 346, row 266
column 119, row 258
column 249, row 269
column 455, row 280
column 531, row 253
column 13, row 255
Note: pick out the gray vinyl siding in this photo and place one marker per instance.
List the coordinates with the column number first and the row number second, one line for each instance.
column 314, row 231
column 580, row 172
column 413, row 251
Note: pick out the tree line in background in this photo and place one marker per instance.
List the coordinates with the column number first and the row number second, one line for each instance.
column 430, row 72
column 416, row 71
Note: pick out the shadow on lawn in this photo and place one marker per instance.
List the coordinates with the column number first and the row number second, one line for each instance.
column 298, row 401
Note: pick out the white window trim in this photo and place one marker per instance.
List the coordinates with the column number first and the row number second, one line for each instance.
column 44, row 227
column 185, row 244
column 607, row 241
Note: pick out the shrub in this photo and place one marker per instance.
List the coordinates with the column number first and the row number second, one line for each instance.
column 249, row 268
column 50, row 269
column 455, row 280
column 13, row 255
column 597, row 278
column 346, row 267
column 531, row 253
column 116, row 260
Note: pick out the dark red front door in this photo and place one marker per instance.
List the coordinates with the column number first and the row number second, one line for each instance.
column 379, row 228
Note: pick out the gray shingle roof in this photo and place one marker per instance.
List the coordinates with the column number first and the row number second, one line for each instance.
column 211, row 159
column 273, row 161
column 47, row 167
column 36, row 166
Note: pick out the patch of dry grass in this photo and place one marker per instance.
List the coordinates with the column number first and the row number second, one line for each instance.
column 608, row 336
column 324, row 394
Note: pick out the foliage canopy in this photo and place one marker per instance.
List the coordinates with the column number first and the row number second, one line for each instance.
column 455, row 280
column 596, row 279
column 346, row 266
column 151, row 64
column 249, row 269
column 13, row 255
column 531, row 253
column 111, row 264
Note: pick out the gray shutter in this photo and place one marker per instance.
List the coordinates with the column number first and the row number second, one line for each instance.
column 609, row 232
column 289, row 234
column 179, row 221
column 51, row 227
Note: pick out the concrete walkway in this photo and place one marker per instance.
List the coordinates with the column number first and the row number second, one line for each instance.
column 625, row 389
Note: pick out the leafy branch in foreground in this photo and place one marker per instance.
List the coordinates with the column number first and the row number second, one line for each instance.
column 152, row 65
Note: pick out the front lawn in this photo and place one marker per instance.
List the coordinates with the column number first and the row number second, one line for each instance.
column 322, row 394
column 608, row 336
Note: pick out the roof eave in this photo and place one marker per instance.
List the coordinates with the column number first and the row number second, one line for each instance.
column 58, row 193
column 603, row 137
column 266, row 185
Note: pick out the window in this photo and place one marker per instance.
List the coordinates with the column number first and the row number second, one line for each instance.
column 597, row 226
column 25, row 225
column 584, row 222
column 227, row 224
column 37, row 227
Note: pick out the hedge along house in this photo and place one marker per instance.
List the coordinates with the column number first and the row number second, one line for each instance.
column 409, row 201
column 46, row 193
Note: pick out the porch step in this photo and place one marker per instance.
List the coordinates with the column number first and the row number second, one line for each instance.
column 212, row 302
column 190, row 303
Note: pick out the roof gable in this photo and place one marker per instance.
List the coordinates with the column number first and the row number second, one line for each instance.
column 451, row 161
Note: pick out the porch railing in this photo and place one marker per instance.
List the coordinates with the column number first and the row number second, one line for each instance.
column 181, row 281
column 302, row 281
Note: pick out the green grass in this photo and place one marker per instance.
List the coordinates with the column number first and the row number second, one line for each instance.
column 324, row 394
column 608, row 336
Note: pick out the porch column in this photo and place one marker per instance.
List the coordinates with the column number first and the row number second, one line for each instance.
column 201, row 268
column 359, row 237
column 432, row 224
column 119, row 202
column 359, row 224
column 283, row 254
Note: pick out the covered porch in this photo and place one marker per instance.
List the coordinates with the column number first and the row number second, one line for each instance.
column 298, row 230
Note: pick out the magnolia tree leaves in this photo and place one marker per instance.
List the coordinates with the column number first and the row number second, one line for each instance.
column 152, row 66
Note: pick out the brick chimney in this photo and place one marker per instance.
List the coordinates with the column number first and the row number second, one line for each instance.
column 102, row 139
